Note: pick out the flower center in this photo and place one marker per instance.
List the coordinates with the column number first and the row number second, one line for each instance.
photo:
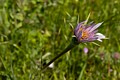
column 85, row 35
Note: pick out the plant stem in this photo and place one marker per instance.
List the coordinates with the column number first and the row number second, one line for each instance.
column 73, row 43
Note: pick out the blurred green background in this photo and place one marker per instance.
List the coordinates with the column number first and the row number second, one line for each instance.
column 32, row 32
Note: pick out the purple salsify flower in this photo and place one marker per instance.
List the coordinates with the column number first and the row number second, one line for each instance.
column 88, row 33
column 85, row 50
column 116, row 55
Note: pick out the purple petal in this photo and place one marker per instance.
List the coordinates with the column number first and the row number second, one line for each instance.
column 90, row 27
column 92, row 34
column 79, row 35
column 78, row 26
column 95, row 27
column 91, row 39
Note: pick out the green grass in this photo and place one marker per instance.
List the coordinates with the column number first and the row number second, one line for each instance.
column 32, row 29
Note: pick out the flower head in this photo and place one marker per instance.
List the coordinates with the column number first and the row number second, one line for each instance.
column 88, row 33
column 85, row 50
column 116, row 55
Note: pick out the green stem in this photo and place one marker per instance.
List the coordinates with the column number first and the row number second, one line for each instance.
column 73, row 43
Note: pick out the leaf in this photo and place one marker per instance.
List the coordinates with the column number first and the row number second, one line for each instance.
column 19, row 16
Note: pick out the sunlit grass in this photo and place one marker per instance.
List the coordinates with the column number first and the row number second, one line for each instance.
column 34, row 32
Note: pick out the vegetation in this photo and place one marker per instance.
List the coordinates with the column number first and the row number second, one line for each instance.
column 32, row 32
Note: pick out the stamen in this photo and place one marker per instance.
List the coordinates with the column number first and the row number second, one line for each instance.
column 80, row 29
column 85, row 35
